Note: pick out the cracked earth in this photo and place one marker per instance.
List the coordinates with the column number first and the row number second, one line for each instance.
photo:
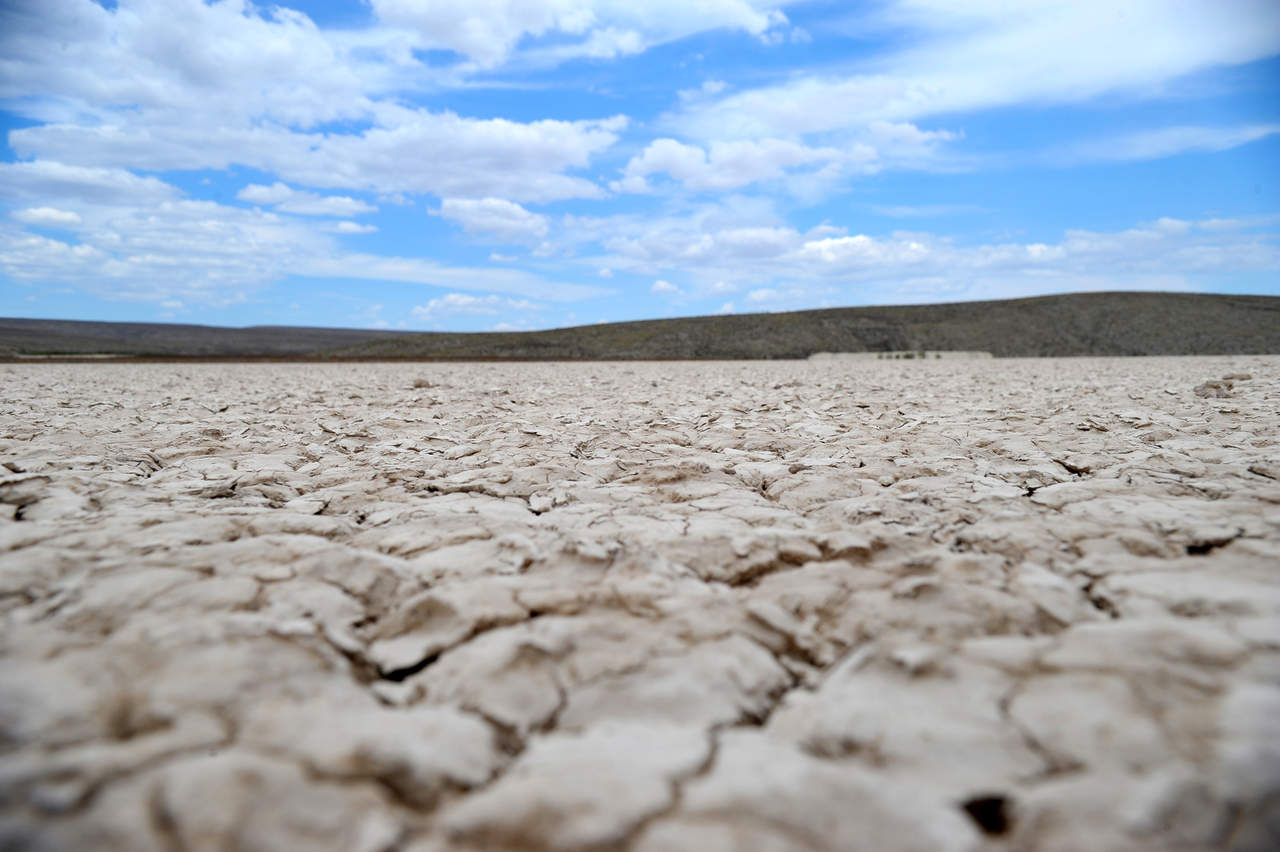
column 945, row 605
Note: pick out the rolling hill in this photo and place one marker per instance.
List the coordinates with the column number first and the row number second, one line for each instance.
column 1111, row 323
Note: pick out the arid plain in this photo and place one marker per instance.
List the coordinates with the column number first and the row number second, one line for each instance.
column 926, row 605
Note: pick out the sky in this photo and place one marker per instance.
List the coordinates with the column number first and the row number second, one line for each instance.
column 524, row 164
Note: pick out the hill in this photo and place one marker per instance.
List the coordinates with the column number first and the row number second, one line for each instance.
column 1073, row 324
column 143, row 339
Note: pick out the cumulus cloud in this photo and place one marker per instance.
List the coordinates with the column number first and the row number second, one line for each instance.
column 489, row 31
column 465, row 303
column 46, row 180
column 417, row 151
column 249, row 61
column 725, row 165
column 206, row 253
column 350, row 228
column 661, row 287
column 289, row 200
column 49, row 216
column 505, row 220
column 198, row 251
column 707, row 89
column 31, row 257
column 262, row 87
column 711, row 250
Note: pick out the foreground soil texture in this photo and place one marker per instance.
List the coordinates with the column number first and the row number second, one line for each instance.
column 945, row 605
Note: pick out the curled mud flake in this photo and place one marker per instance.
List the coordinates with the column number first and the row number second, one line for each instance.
column 1268, row 469
column 1215, row 389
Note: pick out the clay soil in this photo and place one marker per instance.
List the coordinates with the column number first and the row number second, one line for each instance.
column 953, row 604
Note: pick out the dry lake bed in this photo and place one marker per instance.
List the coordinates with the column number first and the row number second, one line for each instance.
column 906, row 605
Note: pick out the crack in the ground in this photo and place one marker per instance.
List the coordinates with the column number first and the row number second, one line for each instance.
column 1097, row 601
column 1053, row 765
column 401, row 674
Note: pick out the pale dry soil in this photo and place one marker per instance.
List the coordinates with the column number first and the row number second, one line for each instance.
column 937, row 605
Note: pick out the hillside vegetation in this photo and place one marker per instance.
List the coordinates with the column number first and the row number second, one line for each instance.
column 69, row 337
column 1074, row 324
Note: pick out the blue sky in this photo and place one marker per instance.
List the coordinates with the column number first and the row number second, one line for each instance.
column 500, row 164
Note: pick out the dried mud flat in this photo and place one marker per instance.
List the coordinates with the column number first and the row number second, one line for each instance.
column 741, row 606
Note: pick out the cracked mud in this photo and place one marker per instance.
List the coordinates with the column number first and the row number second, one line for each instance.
column 717, row 606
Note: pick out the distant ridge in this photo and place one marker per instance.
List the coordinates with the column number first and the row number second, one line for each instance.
column 1113, row 323
column 150, row 339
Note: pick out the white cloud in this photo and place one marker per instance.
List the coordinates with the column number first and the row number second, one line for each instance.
column 726, row 165
column 31, row 257
column 256, row 89
column 1239, row 223
column 680, row 243
column 861, row 250
column 489, row 31
column 197, row 251
column 726, row 308
column 415, row 270
column 661, row 286
column 450, row 156
column 202, row 252
column 465, row 303
column 350, row 228
column 49, row 216
column 971, row 56
column 707, row 89
column 248, row 61
column 259, row 194
column 415, row 150
column 710, row 248
column 1162, row 142
column 45, row 180
column 290, row 200
column 505, row 220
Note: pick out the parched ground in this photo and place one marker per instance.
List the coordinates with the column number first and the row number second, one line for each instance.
column 653, row 606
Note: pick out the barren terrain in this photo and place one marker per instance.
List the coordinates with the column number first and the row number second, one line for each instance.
column 942, row 605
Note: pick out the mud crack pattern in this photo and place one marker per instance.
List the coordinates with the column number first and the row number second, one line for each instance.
column 788, row 605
